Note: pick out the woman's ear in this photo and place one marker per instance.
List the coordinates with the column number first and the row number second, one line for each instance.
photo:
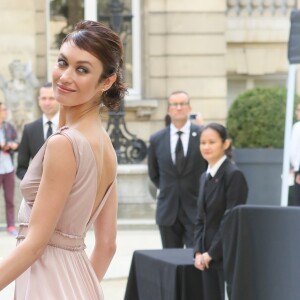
column 108, row 82
column 227, row 144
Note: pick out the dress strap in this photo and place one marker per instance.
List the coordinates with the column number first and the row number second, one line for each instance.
column 59, row 130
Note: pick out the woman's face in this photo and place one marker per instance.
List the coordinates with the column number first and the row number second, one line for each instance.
column 212, row 147
column 76, row 76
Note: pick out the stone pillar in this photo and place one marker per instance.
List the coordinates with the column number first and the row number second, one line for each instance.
column 41, row 40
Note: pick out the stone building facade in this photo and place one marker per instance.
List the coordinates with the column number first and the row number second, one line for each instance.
column 212, row 49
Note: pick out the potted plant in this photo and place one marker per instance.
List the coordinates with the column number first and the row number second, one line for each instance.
column 256, row 122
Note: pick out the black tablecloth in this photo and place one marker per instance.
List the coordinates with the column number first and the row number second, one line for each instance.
column 261, row 252
column 167, row 274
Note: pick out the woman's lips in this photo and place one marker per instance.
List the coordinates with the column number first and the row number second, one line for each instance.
column 64, row 89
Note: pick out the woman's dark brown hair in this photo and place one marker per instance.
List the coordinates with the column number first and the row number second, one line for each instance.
column 103, row 43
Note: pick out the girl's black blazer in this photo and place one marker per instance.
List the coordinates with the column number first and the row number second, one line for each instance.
column 228, row 188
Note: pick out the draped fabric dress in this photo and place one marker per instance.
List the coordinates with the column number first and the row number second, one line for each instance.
column 64, row 271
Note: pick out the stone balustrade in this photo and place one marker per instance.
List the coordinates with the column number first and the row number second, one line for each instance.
column 260, row 7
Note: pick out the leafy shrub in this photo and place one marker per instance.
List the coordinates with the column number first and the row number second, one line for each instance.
column 256, row 119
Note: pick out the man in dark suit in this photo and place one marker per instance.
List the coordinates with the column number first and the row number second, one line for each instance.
column 36, row 132
column 175, row 165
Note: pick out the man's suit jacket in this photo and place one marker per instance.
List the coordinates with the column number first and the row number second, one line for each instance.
column 31, row 142
column 175, row 189
column 228, row 188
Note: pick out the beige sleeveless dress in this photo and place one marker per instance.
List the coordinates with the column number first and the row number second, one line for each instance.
column 64, row 271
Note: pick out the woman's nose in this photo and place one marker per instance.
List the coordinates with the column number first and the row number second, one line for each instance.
column 66, row 75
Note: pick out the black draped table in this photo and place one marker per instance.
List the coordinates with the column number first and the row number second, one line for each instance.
column 167, row 274
column 261, row 252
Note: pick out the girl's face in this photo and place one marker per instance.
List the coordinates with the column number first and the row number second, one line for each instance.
column 76, row 76
column 212, row 147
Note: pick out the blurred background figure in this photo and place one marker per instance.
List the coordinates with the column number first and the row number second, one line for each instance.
column 297, row 112
column 35, row 133
column 167, row 120
column 197, row 119
column 8, row 144
column 295, row 158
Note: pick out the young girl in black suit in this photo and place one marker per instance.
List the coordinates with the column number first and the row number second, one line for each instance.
column 222, row 187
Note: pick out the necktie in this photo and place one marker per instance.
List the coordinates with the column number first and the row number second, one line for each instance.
column 179, row 158
column 49, row 131
column 208, row 177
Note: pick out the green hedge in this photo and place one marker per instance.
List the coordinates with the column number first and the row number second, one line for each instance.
column 256, row 119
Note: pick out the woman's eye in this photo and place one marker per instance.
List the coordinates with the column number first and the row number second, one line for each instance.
column 82, row 70
column 61, row 62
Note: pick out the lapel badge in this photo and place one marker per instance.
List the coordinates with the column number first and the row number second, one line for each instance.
column 194, row 133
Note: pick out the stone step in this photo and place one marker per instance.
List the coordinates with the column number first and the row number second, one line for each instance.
column 137, row 224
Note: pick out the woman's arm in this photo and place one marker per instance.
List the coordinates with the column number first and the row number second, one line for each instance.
column 59, row 170
column 198, row 233
column 199, row 223
column 105, row 229
column 200, row 262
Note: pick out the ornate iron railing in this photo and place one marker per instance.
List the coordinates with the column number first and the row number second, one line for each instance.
column 128, row 147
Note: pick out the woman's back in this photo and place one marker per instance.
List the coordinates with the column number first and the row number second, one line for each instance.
column 105, row 159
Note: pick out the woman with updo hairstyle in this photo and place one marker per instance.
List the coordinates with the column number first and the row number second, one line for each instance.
column 70, row 184
column 101, row 42
column 222, row 187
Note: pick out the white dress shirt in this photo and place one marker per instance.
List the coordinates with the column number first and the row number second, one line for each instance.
column 184, row 138
column 214, row 169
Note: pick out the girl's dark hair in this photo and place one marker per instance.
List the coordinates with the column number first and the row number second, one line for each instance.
column 223, row 133
column 103, row 43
